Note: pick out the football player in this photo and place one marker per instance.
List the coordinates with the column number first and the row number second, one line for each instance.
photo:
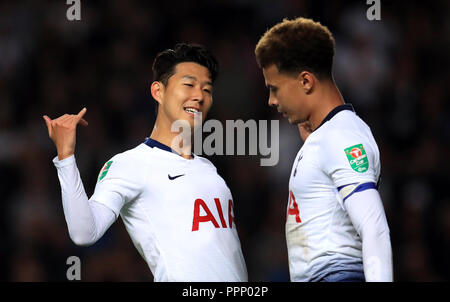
column 336, row 228
column 176, row 208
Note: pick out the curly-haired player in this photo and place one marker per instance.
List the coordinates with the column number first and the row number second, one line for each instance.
column 336, row 228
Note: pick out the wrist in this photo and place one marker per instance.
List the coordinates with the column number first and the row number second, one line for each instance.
column 62, row 156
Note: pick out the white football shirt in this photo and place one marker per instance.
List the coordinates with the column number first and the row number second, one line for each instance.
column 178, row 212
column 339, row 158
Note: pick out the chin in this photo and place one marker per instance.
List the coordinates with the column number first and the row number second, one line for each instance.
column 195, row 124
column 293, row 121
column 297, row 120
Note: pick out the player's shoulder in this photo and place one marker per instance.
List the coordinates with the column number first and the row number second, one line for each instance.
column 129, row 156
column 204, row 161
column 344, row 127
column 343, row 134
column 124, row 163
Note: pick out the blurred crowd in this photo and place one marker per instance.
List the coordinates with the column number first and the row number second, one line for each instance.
column 394, row 72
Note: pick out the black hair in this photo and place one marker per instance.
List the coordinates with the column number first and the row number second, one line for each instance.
column 165, row 61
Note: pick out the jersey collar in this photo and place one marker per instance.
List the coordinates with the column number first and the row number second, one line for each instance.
column 154, row 143
column 335, row 111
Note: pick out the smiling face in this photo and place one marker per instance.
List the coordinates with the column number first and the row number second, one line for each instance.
column 188, row 92
column 288, row 94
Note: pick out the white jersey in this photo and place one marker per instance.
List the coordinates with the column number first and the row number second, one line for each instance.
column 339, row 158
column 178, row 212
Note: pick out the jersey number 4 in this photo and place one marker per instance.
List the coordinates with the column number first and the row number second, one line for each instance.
column 293, row 208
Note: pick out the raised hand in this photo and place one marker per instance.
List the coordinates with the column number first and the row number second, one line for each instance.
column 62, row 131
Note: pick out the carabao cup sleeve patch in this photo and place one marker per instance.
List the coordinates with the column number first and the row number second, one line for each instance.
column 357, row 158
column 104, row 171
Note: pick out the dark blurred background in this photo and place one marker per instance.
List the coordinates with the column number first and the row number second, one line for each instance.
column 394, row 71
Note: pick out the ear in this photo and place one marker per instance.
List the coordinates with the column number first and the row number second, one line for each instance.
column 157, row 90
column 307, row 81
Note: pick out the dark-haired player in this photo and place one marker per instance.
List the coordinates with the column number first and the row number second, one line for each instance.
column 336, row 228
column 177, row 210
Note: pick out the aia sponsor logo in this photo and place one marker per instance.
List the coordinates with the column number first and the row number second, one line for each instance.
column 209, row 217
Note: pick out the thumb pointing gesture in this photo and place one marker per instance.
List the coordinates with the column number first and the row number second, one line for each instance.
column 62, row 131
column 48, row 122
column 80, row 119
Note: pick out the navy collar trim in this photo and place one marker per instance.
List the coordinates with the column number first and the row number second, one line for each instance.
column 154, row 143
column 336, row 111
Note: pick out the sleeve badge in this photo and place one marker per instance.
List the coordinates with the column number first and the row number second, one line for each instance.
column 357, row 158
column 104, row 170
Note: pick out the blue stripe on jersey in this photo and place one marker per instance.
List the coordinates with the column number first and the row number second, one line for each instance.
column 341, row 187
column 361, row 187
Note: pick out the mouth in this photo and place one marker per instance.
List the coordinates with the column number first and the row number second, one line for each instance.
column 191, row 111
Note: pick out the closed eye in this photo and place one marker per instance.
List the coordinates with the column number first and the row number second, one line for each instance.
column 207, row 90
column 190, row 85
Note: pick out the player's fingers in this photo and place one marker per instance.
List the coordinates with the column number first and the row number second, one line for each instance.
column 305, row 126
column 48, row 122
column 63, row 118
column 81, row 113
column 62, row 121
column 83, row 122
column 74, row 120
column 301, row 126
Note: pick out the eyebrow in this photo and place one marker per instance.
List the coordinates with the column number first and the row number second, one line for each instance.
column 195, row 79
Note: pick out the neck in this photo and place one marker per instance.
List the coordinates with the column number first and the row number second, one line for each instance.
column 328, row 97
column 163, row 135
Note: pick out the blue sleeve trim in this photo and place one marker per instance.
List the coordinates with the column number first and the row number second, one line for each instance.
column 362, row 187
column 341, row 187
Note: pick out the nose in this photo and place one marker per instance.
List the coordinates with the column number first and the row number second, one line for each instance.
column 273, row 102
column 198, row 95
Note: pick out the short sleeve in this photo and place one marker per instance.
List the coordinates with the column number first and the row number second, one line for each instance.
column 349, row 158
column 117, row 183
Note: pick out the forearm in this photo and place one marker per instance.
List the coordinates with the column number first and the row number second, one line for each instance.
column 377, row 256
column 367, row 214
column 86, row 220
